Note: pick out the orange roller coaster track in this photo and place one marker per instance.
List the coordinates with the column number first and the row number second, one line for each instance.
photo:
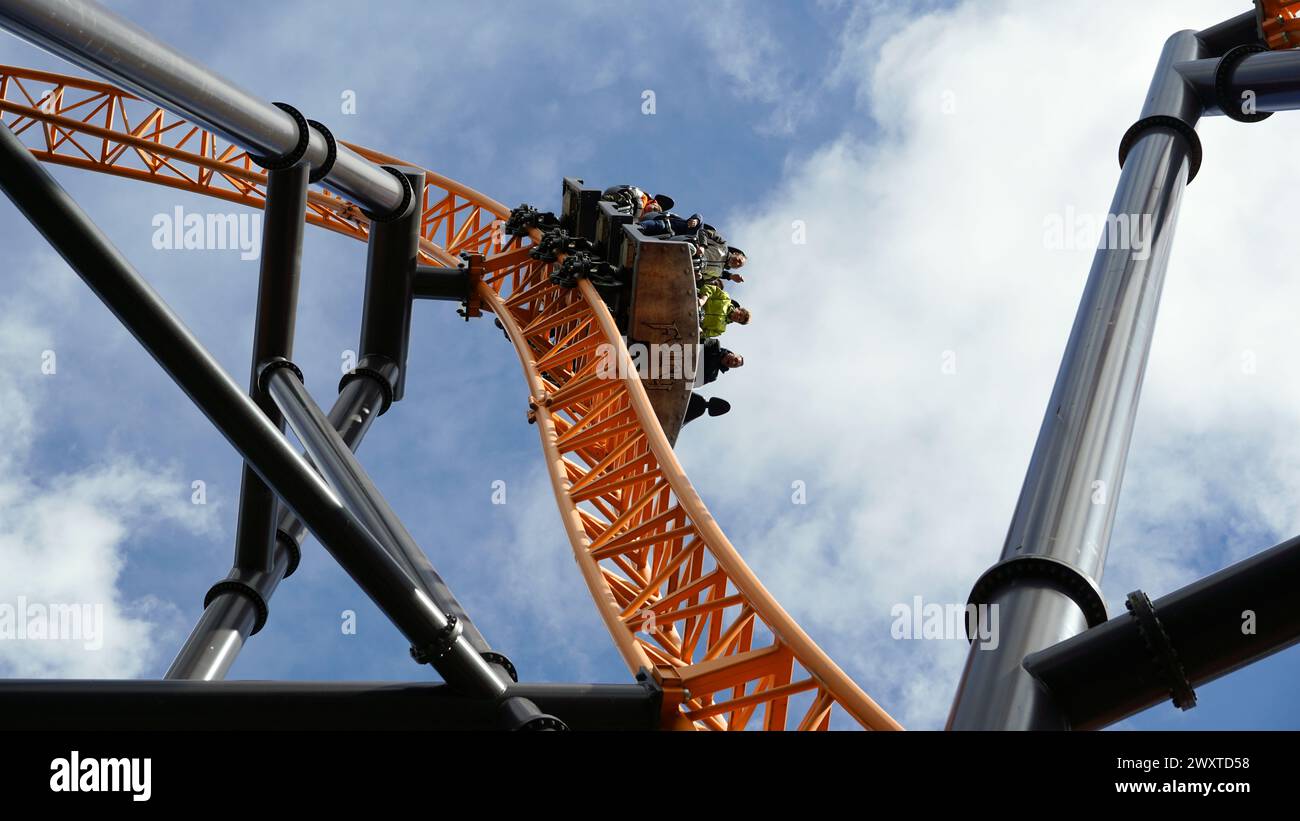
column 676, row 596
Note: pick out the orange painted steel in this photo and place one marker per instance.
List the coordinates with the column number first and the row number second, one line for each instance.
column 1280, row 23
column 675, row 595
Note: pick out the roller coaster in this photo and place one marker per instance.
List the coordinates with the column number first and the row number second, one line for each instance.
column 708, row 645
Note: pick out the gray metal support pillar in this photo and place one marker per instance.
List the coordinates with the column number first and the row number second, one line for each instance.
column 1045, row 586
column 277, row 301
column 392, row 254
column 237, row 606
column 88, row 252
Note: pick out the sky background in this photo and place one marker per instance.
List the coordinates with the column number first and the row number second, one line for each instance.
column 922, row 146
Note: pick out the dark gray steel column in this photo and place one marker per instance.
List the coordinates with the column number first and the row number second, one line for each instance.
column 100, row 41
column 1045, row 585
column 237, row 606
column 230, row 617
column 392, row 257
column 277, row 302
column 87, row 251
column 441, row 283
column 392, row 253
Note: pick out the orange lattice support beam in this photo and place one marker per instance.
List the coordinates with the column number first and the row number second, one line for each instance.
column 1279, row 22
column 678, row 599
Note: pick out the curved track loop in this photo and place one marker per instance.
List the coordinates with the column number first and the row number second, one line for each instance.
column 677, row 598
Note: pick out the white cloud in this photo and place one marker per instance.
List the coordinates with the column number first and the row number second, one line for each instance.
column 65, row 537
column 928, row 238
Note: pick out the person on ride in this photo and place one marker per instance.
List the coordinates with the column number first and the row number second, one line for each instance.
column 717, row 310
column 654, row 206
column 718, row 360
column 720, row 262
column 635, row 202
column 665, row 223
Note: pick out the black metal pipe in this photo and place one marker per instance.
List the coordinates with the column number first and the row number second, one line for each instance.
column 1271, row 77
column 1214, row 626
column 101, row 41
column 87, row 251
column 242, row 601
column 234, row 609
column 331, row 456
column 336, row 462
column 362, row 397
column 391, row 256
column 283, row 225
column 1242, row 30
column 134, row 705
column 441, row 283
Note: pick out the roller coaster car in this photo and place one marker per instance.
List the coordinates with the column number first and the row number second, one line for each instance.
column 656, row 308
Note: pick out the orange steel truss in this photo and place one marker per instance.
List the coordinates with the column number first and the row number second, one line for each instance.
column 1279, row 20
column 676, row 596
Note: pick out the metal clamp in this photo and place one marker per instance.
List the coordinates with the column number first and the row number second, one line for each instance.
column 295, row 551
column 1161, row 649
column 441, row 645
column 492, row 657
column 267, row 368
column 363, row 370
column 1139, row 129
column 243, row 589
column 408, row 194
column 1223, row 84
column 299, row 151
column 331, row 152
column 474, row 270
column 1062, row 575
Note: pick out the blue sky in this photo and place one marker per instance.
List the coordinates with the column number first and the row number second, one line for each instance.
column 921, row 160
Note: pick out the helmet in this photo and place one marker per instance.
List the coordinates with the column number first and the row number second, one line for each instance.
column 627, row 197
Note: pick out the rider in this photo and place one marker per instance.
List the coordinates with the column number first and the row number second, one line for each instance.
column 717, row 310
column 718, row 360
column 717, row 259
column 666, row 223
column 635, row 202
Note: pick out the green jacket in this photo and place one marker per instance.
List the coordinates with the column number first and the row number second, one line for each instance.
column 713, row 316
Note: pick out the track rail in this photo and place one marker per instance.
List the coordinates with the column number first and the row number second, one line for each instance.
column 676, row 596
